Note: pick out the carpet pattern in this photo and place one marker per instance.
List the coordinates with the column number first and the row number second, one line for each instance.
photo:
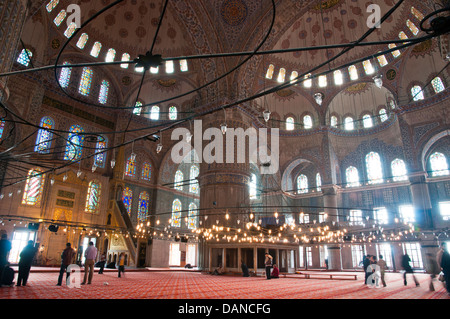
column 195, row 285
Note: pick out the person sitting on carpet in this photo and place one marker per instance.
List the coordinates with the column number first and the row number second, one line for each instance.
column 218, row 270
column 245, row 272
column 275, row 272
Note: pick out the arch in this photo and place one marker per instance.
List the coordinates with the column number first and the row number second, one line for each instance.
column 429, row 144
column 93, row 197
column 44, row 137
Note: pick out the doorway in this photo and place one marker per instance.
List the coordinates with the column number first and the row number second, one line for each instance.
column 19, row 241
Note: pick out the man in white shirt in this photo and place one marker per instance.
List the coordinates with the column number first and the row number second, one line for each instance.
column 90, row 254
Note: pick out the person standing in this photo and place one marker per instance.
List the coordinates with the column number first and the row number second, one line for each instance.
column 382, row 264
column 121, row 264
column 366, row 263
column 90, row 254
column 408, row 269
column 432, row 269
column 5, row 247
column 66, row 259
column 26, row 258
column 445, row 266
column 102, row 263
column 268, row 264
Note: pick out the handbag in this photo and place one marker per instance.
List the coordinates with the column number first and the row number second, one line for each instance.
column 441, row 277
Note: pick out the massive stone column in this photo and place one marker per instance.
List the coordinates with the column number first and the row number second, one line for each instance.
column 330, row 203
column 421, row 200
column 12, row 17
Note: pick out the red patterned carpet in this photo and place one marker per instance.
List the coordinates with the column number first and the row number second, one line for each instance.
column 177, row 285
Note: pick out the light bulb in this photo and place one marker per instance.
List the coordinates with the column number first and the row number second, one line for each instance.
column 65, row 177
column 133, row 156
column 113, row 163
column 319, row 98
column 223, row 128
column 94, row 167
column 266, row 115
column 52, row 181
column 188, row 137
column 79, row 173
column 159, row 148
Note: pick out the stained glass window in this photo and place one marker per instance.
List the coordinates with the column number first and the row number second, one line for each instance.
column 399, row 172
column 51, row 5
column 253, row 187
column 154, row 113
column 34, row 185
column 130, row 167
column 349, row 124
column 192, row 216
column 352, row 177
column 302, row 184
column 125, row 58
column 93, row 197
column 417, row 14
column 367, row 121
column 338, row 78
column 64, row 76
column 382, row 60
column 44, row 138
column 281, row 75
column 137, row 108
column 25, row 57
column 323, row 81
column 395, row 53
column 96, row 48
column 308, row 81
column 70, row 29
column 318, row 182
column 414, row 29
column 2, row 127
column 383, row 115
column 82, row 41
column 176, row 213
column 85, row 82
column 183, row 66
column 100, row 158
column 353, row 72
column 127, row 199
column 193, row 185
column 60, row 17
column 144, row 201
column 374, row 168
column 439, row 165
column 368, row 67
column 179, row 180
column 104, row 90
column 270, row 70
column 402, row 35
column 173, row 113
column 334, row 121
column 146, row 173
column 417, row 93
column 307, row 122
column 110, row 55
column 438, row 85
column 290, row 124
column 170, row 67
column 74, row 146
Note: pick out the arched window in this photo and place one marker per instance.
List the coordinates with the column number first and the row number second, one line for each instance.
column 44, row 137
column 93, row 197
column 333, row 121
column 368, row 67
column 110, row 56
column 294, row 76
column 270, row 70
column 184, row 65
column 70, row 29
column 144, row 201
column 253, row 187
column 367, row 121
column 2, row 127
column 100, row 158
column 353, row 72
column 382, row 60
column 125, row 58
column 154, row 113
column 173, row 113
column 281, row 75
column 127, row 199
column 349, row 124
column 74, row 146
column 86, row 81
column 96, row 48
column 323, row 81
column 352, row 177
column 438, row 85
column 402, row 35
column 64, row 76
column 374, row 168
column 302, row 184
column 419, row 15
column 104, row 90
column 383, row 115
column 307, row 122
column 338, row 78
column 130, row 167
column 170, row 67
column 154, row 70
column 60, row 17
column 417, row 93
column 51, row 5
column 176, row 213
column 439, row 165
column 137, row 108
column 308, row 81
column 192, row 216
column 399, row 172
column 82, row 41
column 414, row 29
column 34, row 185
column 290, row 124
column 193, row 185
column 25, row 57
column 395, row 53
column 146, row 173
column 318, row 182
column 178, row 183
